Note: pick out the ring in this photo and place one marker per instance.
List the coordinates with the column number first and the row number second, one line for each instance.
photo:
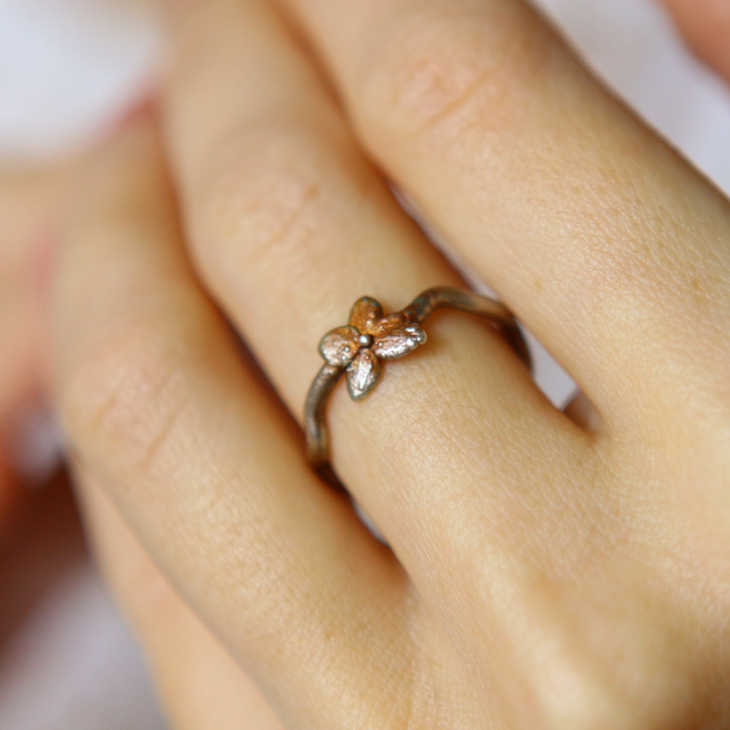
column 358, row 349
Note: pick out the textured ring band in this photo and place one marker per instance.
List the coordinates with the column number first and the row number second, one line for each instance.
column 358, row 348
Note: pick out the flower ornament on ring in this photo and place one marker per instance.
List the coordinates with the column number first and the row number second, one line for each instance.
column 358, row 349
column 368, row 338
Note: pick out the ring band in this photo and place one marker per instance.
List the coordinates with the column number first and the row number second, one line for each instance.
column 358, row 349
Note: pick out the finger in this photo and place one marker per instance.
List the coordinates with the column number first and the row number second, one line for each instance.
column 706, row 26
column 610, row 248
column 200, row 685
column 29, row 202
column 160, row 408
column 290, row 226
column 29, row 207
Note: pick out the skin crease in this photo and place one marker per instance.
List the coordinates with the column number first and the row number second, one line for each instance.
column 619, row 624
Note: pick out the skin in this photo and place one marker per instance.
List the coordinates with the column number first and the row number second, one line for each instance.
column 706, row 26
column 545, row 571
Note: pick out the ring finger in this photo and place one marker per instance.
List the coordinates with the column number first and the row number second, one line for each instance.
column 289, row 225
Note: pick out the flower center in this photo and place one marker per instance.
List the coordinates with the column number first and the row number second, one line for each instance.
column 365, row 340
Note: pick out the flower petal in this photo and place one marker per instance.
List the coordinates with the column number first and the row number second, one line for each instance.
column 393, row 323
column 339, row 346
column 363, row 373
column 364, row 313
column 396, row 336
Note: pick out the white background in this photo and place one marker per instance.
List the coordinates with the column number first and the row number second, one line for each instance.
column 66, row 68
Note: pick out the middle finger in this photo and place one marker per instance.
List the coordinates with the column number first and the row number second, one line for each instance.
column 607, row 245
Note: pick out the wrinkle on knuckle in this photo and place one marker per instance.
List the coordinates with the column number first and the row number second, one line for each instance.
column 264, row 192
column 451, row 68
column 123, row 401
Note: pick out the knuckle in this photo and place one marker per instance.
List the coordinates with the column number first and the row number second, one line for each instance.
column 591, row 665
column 591, row 659
column 121, row 403
column 595, row 683
column 447, row 68
column 264, row 192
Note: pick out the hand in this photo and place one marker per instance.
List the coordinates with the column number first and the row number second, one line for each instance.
column 543, row 573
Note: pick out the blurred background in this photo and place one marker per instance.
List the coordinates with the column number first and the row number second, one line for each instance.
column 68, row 69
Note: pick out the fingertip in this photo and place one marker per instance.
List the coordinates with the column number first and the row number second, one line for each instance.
column 139, row 110
column 114, row 175
column 705, row 25
column 99, row 181
column 119, row 195
column 47, row 250
column 135, row 128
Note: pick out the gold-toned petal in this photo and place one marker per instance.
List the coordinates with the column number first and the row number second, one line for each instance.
column 365, row 313
column 390, row 324
column 363, row 373
column 397, row 339
column 340, row 345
